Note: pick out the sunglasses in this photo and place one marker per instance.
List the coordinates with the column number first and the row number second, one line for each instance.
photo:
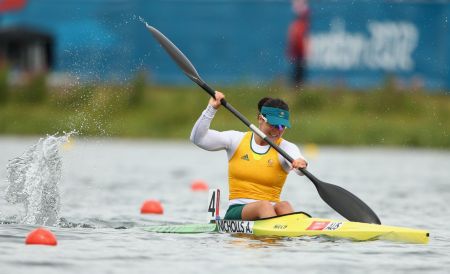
column 279, row 127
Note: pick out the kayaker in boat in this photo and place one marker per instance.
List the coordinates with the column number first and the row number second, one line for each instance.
column 256, row 172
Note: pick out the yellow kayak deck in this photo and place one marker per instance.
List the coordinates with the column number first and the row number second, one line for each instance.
column 301, row 224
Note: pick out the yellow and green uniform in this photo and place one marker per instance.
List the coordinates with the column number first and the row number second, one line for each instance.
column 253, row 175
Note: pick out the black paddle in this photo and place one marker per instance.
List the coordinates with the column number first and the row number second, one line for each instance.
column 344, row 202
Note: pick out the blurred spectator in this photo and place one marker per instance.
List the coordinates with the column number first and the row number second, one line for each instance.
column 298, row 40
column 9, row 5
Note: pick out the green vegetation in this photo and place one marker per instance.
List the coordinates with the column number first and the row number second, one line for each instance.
column 385, row 116
column 3, row 85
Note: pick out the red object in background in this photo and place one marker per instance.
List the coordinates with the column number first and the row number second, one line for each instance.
column 199, row 185
column 298, row 36
column 41, row 236
column 152, row 207
column 7, row 5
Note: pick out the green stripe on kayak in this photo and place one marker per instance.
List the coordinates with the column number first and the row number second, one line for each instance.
column 188, row 228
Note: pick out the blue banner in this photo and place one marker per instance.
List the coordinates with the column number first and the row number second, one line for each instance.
column 363, row 42
column 354, row 43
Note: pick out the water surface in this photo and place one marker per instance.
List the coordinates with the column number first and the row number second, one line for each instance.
column 104, row 183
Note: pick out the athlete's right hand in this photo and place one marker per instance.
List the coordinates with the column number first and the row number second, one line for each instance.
column 215, row 102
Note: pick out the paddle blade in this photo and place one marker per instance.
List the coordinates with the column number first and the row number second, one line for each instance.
column 346, row 204
column 181, row 60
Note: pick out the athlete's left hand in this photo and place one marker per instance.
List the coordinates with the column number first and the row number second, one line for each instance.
column 299, row 163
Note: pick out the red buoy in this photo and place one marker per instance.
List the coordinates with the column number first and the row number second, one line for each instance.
column 199, row 185
column 40, row 236
column 152, row 207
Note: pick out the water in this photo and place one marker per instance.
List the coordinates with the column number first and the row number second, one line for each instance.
column 104, row 182
column 33, row 180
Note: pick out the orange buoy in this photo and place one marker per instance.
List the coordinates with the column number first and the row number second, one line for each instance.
column 40, row 236
column 199, row 185
column 152, row 207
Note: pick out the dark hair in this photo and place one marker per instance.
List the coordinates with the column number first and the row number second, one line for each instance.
column 272, row 102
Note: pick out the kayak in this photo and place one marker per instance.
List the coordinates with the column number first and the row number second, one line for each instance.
column 300, row 224
column 297, row 224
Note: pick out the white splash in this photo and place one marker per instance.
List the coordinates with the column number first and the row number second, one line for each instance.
column 33, row 180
